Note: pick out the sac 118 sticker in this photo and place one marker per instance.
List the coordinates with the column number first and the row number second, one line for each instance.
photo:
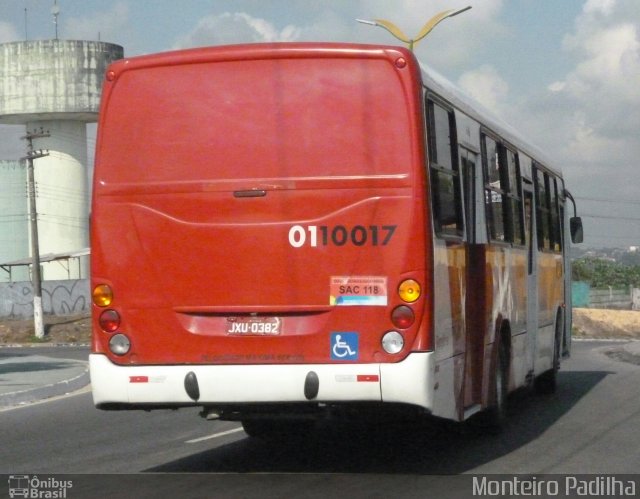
column 358, row 290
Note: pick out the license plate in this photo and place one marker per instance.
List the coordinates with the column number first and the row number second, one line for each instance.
column 254, row 325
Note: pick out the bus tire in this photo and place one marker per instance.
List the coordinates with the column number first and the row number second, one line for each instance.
column 547, row 382
column 495, row 417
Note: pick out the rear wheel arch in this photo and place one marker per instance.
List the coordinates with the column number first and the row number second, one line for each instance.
column 502, row 341
column 503, row 350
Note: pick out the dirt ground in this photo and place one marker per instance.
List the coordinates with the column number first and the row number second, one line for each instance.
column 599, row 323
column 587, row 323
column 73, row 330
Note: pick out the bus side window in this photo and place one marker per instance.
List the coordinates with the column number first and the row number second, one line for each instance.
column 555, row 228
column 495, row 187
column 542, row 209
column 515, row 208
column 446, row 199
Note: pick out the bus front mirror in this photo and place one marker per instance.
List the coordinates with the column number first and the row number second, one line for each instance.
column 575, row 225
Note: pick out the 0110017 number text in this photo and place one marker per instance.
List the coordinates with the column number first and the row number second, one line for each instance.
column 339, row 235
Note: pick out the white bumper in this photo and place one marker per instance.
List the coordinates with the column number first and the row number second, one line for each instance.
column 410, row 382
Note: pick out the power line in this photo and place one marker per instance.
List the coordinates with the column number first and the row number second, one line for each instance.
column 588, row 215
column 14, row 215
column 602, row 200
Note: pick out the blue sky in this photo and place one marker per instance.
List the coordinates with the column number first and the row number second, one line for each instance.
column 566, row 73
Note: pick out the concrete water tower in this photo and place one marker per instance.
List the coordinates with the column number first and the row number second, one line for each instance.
column 55, row 86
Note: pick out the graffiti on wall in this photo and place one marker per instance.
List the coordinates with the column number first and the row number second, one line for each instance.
column 58, row 298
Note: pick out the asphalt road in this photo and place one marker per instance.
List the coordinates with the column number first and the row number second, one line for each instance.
column 591, row 425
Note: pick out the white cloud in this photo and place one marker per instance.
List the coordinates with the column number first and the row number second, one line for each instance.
column 237, row 27
column 335, row 21
column 330, row 25
column 604, row 7
column 610, row 64
column 486, row 86
column 557, row 86
column 106, row 25
column 605, row 80
column 590, row 117
column 585, row 143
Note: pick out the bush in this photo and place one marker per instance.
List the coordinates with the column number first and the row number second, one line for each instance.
column 603, row 273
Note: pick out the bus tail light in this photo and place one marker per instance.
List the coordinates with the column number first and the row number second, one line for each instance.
column 109, row 320
column 392, row 342
column 102, row 295
column 119, row 344
column 402, row 317
column 409, row 290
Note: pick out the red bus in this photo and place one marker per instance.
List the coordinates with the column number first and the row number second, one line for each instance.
column 283, row 232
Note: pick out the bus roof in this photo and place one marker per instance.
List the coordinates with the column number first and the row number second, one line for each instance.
column 448, row 91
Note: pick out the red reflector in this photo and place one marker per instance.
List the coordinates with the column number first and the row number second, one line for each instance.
column 367, row 378
column 138, row 379
column 109, row 320
column 402, row 317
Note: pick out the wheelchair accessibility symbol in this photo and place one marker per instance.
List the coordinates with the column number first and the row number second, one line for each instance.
column 344, row 346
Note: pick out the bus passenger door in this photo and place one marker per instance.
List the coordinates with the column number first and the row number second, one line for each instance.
column 475, row 283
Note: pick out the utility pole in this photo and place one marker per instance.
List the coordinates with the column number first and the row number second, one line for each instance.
column 35, row 246
column 55, row 11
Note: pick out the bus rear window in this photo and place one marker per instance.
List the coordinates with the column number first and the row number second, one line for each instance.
column 278, row 118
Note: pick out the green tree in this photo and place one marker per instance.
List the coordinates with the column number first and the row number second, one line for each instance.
column 603, row 273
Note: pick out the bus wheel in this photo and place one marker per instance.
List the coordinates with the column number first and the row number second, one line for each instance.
column 547, row 382
column 495, row 417
column 277, row 428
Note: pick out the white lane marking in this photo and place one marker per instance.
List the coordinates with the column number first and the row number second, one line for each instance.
column 22, row 405
column 215, row 435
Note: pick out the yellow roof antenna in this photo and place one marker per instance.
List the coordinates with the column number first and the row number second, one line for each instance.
column 426, row 29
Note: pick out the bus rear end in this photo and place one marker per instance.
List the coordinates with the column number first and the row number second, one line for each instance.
column 259, row 232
